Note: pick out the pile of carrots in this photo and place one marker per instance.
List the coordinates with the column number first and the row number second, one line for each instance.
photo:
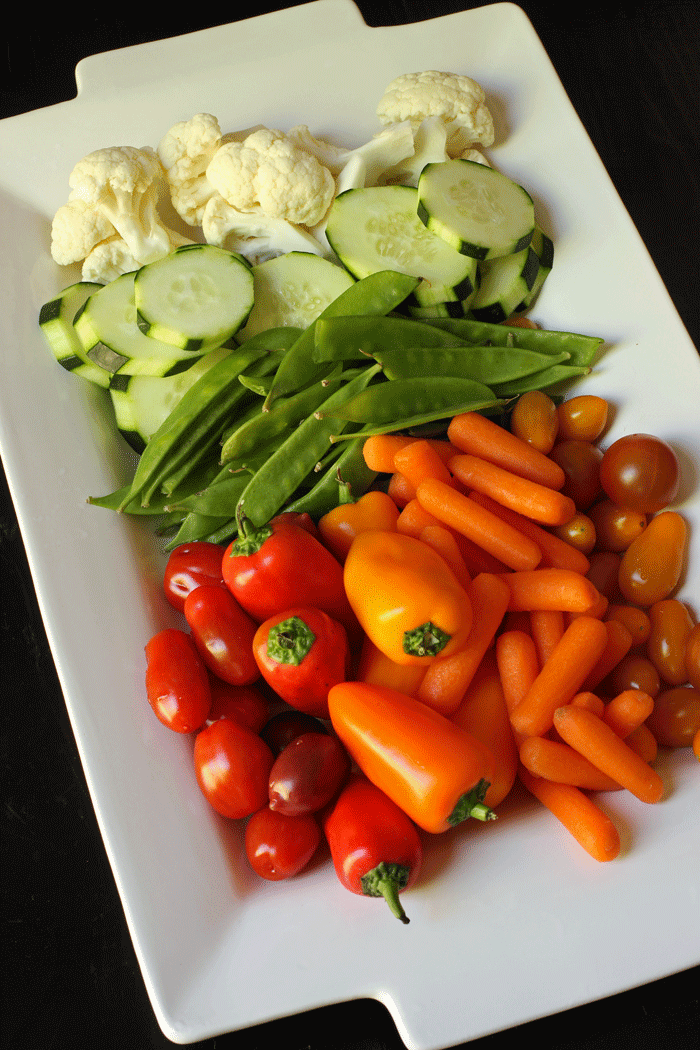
column 559, row 675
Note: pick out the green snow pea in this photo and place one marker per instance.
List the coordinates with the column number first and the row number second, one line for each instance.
column 419, row 400
column 346, row 476
column 353, row 338
column 377, row 294
column 487, row 364
column 541, row 380
column 582, row 348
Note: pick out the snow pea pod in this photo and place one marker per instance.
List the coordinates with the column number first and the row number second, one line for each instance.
column 541, row 380
column 284, row 414
column 195, row 527
column 346, row 475
column 425, row 398
column 582, row 348
column 352, row 338
column 378, row 294
column 279, row 477
column 487, row 364
column 216, row 500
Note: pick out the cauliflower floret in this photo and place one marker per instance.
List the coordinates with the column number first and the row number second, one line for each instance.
column 267, row 170
column 75, row 230
column 253, row 234
column 430, row 146
column 458, row 100
column 108, row 260
column 383, row 151
column 185, row 152
column 123, row 185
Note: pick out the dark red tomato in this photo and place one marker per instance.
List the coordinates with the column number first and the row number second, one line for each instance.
column 308, row 774
column 232, row 765
column 279, row 847
column 676, row 716
column 223, row 633
column 242, row 703
column 177, row 683
column 301, row 653
column 641, row 472
column 580, row 461
column 190, row 565
column 286, row 726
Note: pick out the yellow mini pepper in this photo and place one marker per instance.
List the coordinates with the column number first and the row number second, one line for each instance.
column 406, row 598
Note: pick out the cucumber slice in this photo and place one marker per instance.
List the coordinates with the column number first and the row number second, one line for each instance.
column 505, row 282
column 56, row 320
column 292, row 290
column 476, row 209
column 142, row 402
column 195, row 298
column 543, row 247
column 106, row 326
column 377, row 228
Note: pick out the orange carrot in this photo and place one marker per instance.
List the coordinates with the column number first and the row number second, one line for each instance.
column 400, row 489
column 377, row 669
column 643, row 741
column 590, row 701
column 597, row 610
column 591, row 828
column 478, row 436
column 446, row 681
column 561, row 677
column 560, row 590
column 596, row 741
column 556, row 761
column 516, row 659
column 483, row 714
column 626, row 711
column 533, row 500
column 546, row 628
column 486, row 530
column 413, row 519
column 442, row 539
column 617, row 646
column 556, row 553
column 418, row 460
column 380, row 449
column 476, row 558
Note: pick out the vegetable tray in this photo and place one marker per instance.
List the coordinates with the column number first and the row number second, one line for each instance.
column 510, row 921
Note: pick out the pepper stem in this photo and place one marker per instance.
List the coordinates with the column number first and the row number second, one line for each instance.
column 472, row 804
column 250, row 538
column 387, row 881
column 426, row 640
column 289, row 641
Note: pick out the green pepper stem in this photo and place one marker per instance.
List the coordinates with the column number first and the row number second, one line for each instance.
column 250, row 538
column 289, row 641
column 471, row 804
column 387, row 881
column 426, row 640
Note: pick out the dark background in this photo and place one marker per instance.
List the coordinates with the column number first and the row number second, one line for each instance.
column 70, row 977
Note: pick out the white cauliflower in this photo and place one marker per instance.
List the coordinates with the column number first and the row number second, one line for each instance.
column 76, row 229
column 122, row 185
column 267, row 170
column 108, row 260
column 458, row 100
column 254, row 234
column 185, row 152
column 382, row 152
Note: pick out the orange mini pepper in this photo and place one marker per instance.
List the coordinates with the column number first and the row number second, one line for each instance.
column 340, row 526
column 436, row 772
column 405, row 597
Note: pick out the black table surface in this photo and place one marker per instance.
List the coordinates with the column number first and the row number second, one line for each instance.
column 70, row 976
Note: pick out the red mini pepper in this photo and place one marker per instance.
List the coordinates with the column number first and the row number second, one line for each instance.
column 375, row 848
column 280, row 565
column 302, row 652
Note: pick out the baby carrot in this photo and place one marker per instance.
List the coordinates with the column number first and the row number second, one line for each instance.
column 413, row 518
column 626, row 711
column 446, row 681
column 556, row 589
column 377, row 669
column 553, row 760
column 442, row 539
column 418, row 460
column 479, row 436
column 596, row 741
column 483, row 714
column 561, row 677
column 556, row 553
column 546, row 628
column 486, row 530
column 617, row 646
column 379, row 451
column 591, row 828
column 533, row 500
column 590, row 701
column 516, row 660
column 643, row 741
column 400, row 489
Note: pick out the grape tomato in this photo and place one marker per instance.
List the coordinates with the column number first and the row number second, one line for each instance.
column 243, row 703
column 190, row 565
column 580, row 461
column 651, row 566
column 671, row 624
column 286, row 726
column 676, row 716
column 582, row 418
column 278, row 846
column 223, row 633
column 307, row 774
column 232, row 765
column 177, row 683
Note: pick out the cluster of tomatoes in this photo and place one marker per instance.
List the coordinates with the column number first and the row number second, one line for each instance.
column 216, row 679
column 636, row 547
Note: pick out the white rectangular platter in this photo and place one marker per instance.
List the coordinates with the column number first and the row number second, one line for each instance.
column 511, row 921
